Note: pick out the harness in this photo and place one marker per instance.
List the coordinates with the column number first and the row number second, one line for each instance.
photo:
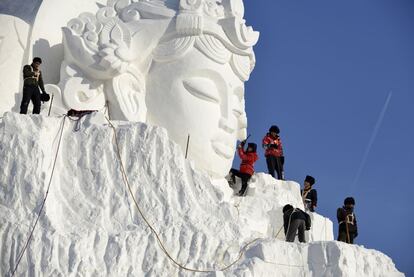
column 305, row 194
column 32, row 77
column 306, row 202
column 349, row 219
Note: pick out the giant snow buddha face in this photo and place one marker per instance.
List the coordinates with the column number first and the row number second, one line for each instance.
column 201, row 96
column 178, row 64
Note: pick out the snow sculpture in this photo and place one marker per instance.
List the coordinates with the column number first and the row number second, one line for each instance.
column 179, row 64
column 90, row 228
column 13, row 38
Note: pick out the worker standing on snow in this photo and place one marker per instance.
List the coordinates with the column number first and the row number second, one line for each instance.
column 274, row 152
column 248, row 158
column 348, row 229
column 32, row 80
column 295, row 220
column 309, row 194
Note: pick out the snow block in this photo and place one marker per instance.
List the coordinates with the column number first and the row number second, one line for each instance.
column 90, row 225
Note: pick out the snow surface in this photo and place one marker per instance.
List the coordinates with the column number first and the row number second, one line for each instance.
column 90, row 226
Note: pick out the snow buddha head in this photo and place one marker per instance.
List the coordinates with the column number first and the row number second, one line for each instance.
column 179, row 64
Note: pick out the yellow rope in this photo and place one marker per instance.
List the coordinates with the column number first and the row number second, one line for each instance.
column 277, row 234
column 127, row 184
column 161, row 244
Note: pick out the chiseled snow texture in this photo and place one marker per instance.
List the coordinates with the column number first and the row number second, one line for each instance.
column 90, row 227
column 272, row 195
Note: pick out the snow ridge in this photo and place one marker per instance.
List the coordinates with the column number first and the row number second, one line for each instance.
column 90, row 227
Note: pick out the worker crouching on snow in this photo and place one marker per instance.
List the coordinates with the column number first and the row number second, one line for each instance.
column 309, row 194
column 248, row 158
column 348, row 229
column 295, row 220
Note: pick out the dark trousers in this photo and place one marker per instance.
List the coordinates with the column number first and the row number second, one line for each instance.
column 296, row 225
column 30, row 93
column 343, row 237
column 243, row 176
column 275, row 164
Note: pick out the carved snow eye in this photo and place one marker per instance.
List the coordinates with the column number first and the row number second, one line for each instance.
column 202, row 88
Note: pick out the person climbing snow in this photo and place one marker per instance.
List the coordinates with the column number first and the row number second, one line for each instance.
column 32, row 80
column 274, row 152
column 248, row 158
column 295, row 220
column 309, row 194
column 348, row 229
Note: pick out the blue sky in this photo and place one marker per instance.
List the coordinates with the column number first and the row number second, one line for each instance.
column 323, row 74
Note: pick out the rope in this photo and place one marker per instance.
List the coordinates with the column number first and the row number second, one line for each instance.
column 290, row 217
column 107, row 109
column 277, row 234
column 157, row 236
column 348, row 239
column 20, row 256
column 238, row 205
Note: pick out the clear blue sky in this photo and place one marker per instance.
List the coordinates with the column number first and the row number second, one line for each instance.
column 323, row 73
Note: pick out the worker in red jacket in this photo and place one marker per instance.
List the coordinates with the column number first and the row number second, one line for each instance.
column 248, row 158
column 274, row 152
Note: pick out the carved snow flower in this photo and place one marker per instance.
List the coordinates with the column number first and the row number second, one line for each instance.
column 111, row 60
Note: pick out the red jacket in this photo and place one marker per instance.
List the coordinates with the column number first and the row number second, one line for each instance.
column 270, row 151
column 248, row 160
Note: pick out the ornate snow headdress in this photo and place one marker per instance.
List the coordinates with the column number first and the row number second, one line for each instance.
column 124, row 36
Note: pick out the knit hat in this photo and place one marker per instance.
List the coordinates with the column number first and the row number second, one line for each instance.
column 349, row 201
column 287, row 208
column 253, row 146
column 37, row 60
column 310, row 180
column 275, row 129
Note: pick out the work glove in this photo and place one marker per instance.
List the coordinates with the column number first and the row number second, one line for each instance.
column 44, row 97
column 242, row 143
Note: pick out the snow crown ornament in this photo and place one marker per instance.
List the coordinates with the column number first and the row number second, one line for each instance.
column 177, row 64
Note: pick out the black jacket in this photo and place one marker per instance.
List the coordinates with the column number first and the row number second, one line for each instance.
column 341, row 215
column 30, row 80
column 312, row 196
column 293, row 214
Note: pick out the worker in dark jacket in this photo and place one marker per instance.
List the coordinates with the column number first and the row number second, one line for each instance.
column 274, row 152
column 248, row 158
column 348, row 229
column 309, row 194
column 32, row 80
column 295, row 220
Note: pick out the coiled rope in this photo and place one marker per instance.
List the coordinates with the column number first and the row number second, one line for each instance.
column 20, row 256
column 160, row 243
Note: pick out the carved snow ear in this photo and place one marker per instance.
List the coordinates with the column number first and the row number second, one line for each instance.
column 78, row 92
column 126, row 96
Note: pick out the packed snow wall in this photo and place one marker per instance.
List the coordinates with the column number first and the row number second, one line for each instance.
column 91, row 226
